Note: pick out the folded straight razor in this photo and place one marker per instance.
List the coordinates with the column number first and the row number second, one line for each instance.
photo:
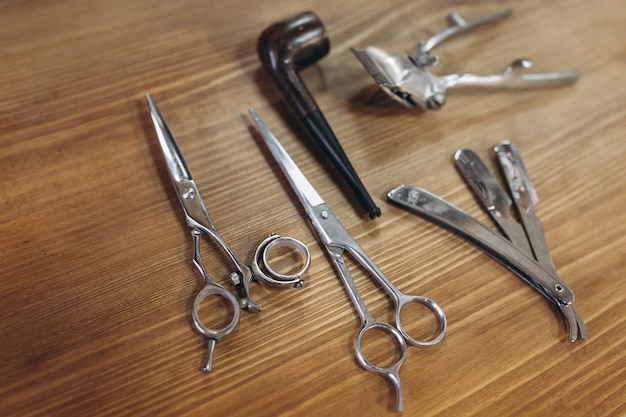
column 524, row 250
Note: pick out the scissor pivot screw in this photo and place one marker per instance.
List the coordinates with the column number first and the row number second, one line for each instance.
column 189, row 193
column 324, row 214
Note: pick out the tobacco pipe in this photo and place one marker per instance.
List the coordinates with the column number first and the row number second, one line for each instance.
column 287, row 47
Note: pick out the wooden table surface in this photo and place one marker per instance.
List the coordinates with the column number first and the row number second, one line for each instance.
column 96, row 276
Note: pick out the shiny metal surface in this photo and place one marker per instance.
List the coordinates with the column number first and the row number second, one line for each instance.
column 441, row 212
column 456, row 26
column 492, row 196
column 525, row 198
column 406, row 79
column 526, row 252
column 338, row 241
column 199, row 222
column 263, row 268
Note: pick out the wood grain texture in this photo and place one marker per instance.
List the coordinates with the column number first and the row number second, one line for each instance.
column 96, row 279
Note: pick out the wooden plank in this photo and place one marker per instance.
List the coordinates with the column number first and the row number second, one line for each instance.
column 96, row 279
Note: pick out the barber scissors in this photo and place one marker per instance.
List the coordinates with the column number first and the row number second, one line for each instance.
column 200, row 223
column 337, row 240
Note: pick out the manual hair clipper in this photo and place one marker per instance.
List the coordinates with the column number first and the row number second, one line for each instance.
column 406, row 79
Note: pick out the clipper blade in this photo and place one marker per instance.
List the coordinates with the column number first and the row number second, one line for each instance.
column 383, row 66
column 371, row 67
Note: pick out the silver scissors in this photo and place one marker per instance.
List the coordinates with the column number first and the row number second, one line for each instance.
column 200, row 223
column 337, row 240
column 524, row 250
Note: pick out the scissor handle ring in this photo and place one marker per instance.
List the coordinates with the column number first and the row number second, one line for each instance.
column 393, row 369
column 391, row 372
column 208, row 290
column 267, row 273
column 434, row 307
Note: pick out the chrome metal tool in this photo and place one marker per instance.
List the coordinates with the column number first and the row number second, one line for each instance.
column 407, row 80
column 200, row 224
column 338, row 242
column 525, row 251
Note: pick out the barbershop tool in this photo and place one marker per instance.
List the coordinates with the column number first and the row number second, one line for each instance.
column 200, row 223
column 525, row 251
column 337, row 240
column 287, row 47
column 525, row 198
column 406, row 79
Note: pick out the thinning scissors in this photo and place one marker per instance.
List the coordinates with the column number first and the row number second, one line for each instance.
column 200, row 223
column 337, row 240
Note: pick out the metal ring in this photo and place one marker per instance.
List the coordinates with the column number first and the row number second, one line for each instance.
column 391, row 372
column 387, row 328
column 434, row 308
column 206, row 291
column 261, row 259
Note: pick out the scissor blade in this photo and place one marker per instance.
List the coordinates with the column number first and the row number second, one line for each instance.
column 173, row 157
column 301, row 186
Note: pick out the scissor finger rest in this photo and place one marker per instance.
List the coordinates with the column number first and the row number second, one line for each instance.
column 405, row 299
